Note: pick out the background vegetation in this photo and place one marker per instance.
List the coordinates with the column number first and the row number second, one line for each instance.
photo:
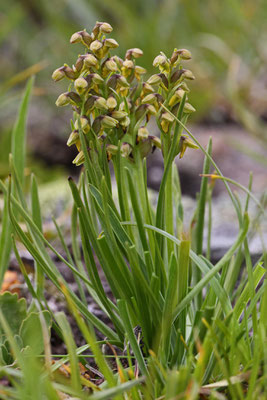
column 181, row 325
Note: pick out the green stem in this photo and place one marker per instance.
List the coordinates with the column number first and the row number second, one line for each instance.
column 169, row 211
column 208, row 252
column 142, row 189
column 200, row 220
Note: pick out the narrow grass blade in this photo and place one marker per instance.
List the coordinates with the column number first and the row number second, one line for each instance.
column 137, row 212
column 71, row 347
column 5, row 241
column 200, row 217
column 118, row 390
column 122, row 306
column 245, row 296
column 169, row 304
column 19, row 133
column 36, row 216
column 89, row 336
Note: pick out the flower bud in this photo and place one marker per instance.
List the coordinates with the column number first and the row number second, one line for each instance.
column 90, row 60
column 101, row 103
column 69, row 72
column 96, row 45
column 84, row 123
column 111, row 150
column 177, row 97
column 145, row 110
column 142, row 132
column 160, row 60
column 188, row 74
column 122, row 105
column 150, row 98
column 188, row 108
column 164, row 82
column 111, row 43
column 146, row 88
column 180, row 93
column 79, row 64
column 125, row 122
column 112, row 82
column 128, row 64
column 185, row 142
column 139, row 70
column 174, row 57
column 63, row 100
column 81, row 37
column 140, row 112
column 123, row 91
column 151, row 110
column 96, row 29
column 75, row 98
column 118, row 114
column 76, row 37
column 184, row 87
column 154, row 79
column 94, row 78
column 126, row 149
column 111, row 65
column 145, row 147
column 118, row 60
column 80, row 85
column 127, row 68
column 166, row 120
column 182, row 73
column 174, row 100
column 73, row 138
column 185, row 54
column 111, row 103
column 97, row 124
column 108, row 122
column 79, row 159
column 105, row 27
column 155, row 140
column 122, row 81
column 58, row 74
column 153, row 98
column 117, row 79
column 182, row 54
column 176, row 75
column 133, row 53
column 89, row 104
column 167, row 117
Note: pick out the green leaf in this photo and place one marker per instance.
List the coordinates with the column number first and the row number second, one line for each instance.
column 124, row 313
column 18, row 146
column 68, row 338
column 31, row 331
column 116, row 391
column 14, row 310
column 18, row 152
column 5, row 241
column 244, row 298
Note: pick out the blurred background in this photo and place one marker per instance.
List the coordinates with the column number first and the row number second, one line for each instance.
column 228, row 41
